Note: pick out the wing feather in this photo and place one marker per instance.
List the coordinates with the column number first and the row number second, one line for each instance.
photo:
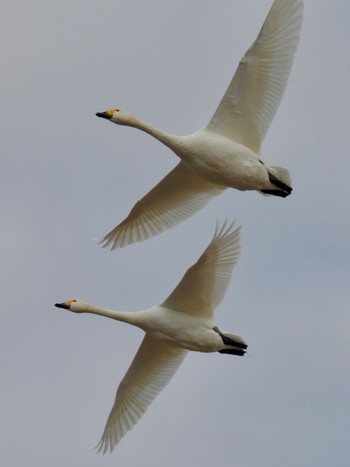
column 253, row 96
column 152, row 368
column 204, row 284
column 179, row 195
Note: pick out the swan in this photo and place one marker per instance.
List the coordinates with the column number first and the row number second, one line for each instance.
column 181, row 323
column 225, row 153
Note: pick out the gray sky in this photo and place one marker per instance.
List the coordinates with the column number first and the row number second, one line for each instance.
column 67, row 178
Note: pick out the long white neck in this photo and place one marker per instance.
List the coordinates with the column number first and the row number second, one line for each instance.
column 173, row 142
column 131, row 317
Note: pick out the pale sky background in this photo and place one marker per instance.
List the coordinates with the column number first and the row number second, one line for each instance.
column 68, row 177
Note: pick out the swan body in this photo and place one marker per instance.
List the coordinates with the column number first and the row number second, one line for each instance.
column 181, row 323
column 234, row 165
column 226, row 153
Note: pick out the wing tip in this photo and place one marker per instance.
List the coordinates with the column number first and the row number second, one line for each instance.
column 109, row 243
column 225, row 228
column 107, row 443
column 121, row 237
column 102, row 447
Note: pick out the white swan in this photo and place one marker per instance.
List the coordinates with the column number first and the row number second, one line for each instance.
column 182, row 322
column 226, row 152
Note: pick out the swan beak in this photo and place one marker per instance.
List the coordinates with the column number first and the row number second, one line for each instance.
column 106, row 115
column 66, row 306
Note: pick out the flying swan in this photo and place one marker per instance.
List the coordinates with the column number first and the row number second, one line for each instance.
column 225, row 153
column 182, row 322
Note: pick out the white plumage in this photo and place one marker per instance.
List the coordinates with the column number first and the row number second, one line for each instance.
column 226, row 152
column 182, row 322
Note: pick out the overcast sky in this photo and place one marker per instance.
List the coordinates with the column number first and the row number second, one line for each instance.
column 68, row 177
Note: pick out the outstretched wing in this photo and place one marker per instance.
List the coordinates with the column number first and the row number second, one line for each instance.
column 179, row 195
column 152, row 368
column 204, row 284
column 252, row 98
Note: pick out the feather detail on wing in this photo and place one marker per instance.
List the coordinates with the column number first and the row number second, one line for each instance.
column 253, row 96
column 179, row 195
column 152, row 368
column 204, row 284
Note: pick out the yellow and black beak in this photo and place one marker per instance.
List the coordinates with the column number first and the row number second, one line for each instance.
column 65, row 305
column 108, row 114
column 104, row 115
column 62, row 305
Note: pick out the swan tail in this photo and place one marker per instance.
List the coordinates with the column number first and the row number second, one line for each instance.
column 280, row 180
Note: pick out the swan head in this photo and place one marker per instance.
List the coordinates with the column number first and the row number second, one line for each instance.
column 77, row 306
column 118, row 116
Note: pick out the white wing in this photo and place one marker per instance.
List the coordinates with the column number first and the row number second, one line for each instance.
column 204, row 284
column 152, row 368
column 252, row 98
column 179, row 195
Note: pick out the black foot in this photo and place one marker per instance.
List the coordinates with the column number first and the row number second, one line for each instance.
column 280, row 193
column 239, row 348
column 287, row 190
column 240, row 353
